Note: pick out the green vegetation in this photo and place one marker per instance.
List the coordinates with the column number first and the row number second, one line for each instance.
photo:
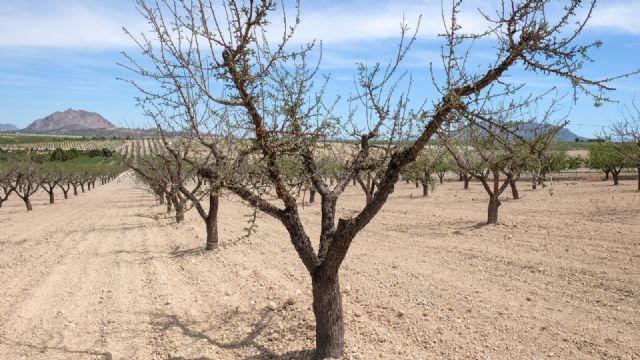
column 608, row 157
column 24, row 172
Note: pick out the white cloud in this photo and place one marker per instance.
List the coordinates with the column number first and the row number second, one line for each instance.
column 98, row 23
column 370, row 21
column 69, row 24
column 621, row 16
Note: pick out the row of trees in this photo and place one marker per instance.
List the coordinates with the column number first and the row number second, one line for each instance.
column 251, row 106
column 623, row 148
column 23, row 173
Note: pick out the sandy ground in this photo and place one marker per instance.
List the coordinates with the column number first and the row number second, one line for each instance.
column 94, row 277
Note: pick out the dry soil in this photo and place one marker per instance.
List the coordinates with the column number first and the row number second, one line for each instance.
column 98, row 277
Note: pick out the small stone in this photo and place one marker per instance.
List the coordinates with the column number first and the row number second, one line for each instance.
column 400, row 313
column 291, row 301
column 272, row 305
column 529, row 298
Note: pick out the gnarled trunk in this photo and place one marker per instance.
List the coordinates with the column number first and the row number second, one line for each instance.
column 514, row 189
column 169, row 201
column 494, row 204
column 52, row 198
column 179, row 207
column 615, row 174
column 312, row 196
column 212, row 223
column 466, row 182
column 425, row 190
column 327, row 308
column 27, row 203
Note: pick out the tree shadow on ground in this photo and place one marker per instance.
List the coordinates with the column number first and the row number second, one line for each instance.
column 163, row 322
column 195, row 251
column 61, row 350
column 479, row 225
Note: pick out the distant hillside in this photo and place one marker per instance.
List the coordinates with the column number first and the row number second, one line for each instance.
column 8, row 127
column 68, row 122
column 527, row 130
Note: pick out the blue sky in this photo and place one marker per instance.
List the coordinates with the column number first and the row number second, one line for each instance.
column 58, row 54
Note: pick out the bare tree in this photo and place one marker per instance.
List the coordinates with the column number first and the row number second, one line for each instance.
column 244, row 95
column 26, row 182
column 421, row 170
column 49, row 177
column 7, row 174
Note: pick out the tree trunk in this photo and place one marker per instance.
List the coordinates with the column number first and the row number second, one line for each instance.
column 75, row 190
column 606, row 174
column 27, row 203
column 82, row 187
column 179, row 212
column 534, row 183
column 514, row 189
column 466, row 182
column 312, row 196
column 327, row 307
column 494, row 204
column 425, row 190
column 169, row 202
column 638, row 178
column 52, row 198
column 212, row 223
column 615, row 177
column 66, row 193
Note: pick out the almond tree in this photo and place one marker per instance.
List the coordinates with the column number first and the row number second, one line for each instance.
column 421, row 170
column 27, row 181
column 627, row 132
column 49, row 177
column 606, row 157
column 7, row 173
column 244, row 95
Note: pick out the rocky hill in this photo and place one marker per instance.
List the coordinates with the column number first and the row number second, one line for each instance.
column 8, row 127
column 70, row 121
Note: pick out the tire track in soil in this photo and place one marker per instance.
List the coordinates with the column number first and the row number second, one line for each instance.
column 30, row 262
column 47, row 315
column 73, row 293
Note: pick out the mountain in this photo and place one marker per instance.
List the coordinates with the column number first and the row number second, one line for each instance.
column 528, row 131
column 8, row 127
column 567, row 135
column 70, row 121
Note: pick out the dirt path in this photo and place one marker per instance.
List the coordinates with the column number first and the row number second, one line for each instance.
column 92, row 277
